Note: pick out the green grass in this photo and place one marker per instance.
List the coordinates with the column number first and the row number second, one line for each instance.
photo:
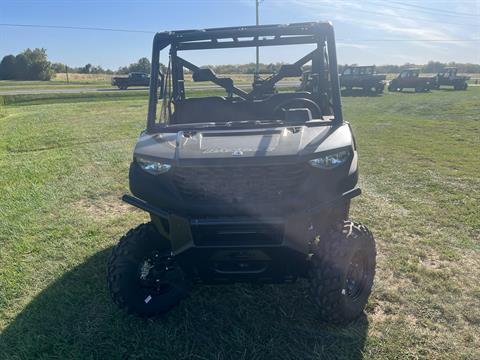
column 64, row 165
column 12, row 85
column 59, row 98
column 96, row 81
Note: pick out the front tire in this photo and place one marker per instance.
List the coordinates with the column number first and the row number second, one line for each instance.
column 143, row 277
column 342, row 272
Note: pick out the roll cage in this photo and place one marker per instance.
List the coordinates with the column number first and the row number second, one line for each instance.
column 325, row 92
column 359, row 70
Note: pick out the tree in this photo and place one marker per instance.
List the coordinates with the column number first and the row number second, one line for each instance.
column 28, row 65
column 7, row 67
column 122, row 70
column 86, row 69
column 22, row 67
column 142, row 65
column 433, row 67
column 40, row 67
column 59, row 68
column 97, row 69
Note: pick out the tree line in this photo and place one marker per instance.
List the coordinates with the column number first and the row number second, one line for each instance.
column 34, row 65
column 142, row 65
column 430, row 67
column 28, row 65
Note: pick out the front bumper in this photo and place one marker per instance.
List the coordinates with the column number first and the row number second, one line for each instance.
column 236, row 249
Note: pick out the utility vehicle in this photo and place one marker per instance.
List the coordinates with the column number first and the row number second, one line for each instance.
column 448, row 77
column 364, row 77
column 133, row 79
column 252, row 186
column 411, row 79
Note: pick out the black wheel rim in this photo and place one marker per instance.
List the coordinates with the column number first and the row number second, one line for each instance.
column 156, row 273
column 355, row 282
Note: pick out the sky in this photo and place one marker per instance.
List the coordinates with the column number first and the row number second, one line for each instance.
column 367, row 32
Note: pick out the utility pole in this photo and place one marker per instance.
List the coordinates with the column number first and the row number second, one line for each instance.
column 257, row 3
column 66, row 72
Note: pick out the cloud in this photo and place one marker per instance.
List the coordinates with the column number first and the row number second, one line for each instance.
column 378, row 21
column 353, row 45
column 374, row 30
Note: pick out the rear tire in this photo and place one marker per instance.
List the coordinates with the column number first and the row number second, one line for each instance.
column 342, row 272
column 142, row 275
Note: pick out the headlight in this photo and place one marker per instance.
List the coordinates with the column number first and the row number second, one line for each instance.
column 330, row 161
column 152, row 167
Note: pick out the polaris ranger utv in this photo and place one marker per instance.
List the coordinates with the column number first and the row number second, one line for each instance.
column 411, row 79
column 448, row 77
column 253, row 186
column 364, row 77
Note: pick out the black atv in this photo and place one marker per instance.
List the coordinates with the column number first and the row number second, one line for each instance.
column 247, row 187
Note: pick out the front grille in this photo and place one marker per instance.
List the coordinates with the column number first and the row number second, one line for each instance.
column 238, row 234
column 239, row 184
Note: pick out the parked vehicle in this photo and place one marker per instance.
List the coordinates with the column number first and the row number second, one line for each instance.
column 133, row 79
column 247, row 187
column 363, row 77
column 411, row 79
column 448, row 77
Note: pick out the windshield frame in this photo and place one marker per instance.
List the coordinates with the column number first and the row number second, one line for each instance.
column 321, row 34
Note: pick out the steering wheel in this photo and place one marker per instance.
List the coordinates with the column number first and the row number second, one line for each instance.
column 297, row 103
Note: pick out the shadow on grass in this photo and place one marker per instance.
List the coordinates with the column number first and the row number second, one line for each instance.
column 74, row 319
column 119, row 90
column 449, row 89
column 412, row 91
column 359, row 93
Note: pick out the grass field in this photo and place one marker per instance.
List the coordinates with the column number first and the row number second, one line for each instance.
column 60, row 80
column 64, row 165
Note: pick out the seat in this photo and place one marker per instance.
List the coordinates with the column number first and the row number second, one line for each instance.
column 219, row 109
column 210, row 109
